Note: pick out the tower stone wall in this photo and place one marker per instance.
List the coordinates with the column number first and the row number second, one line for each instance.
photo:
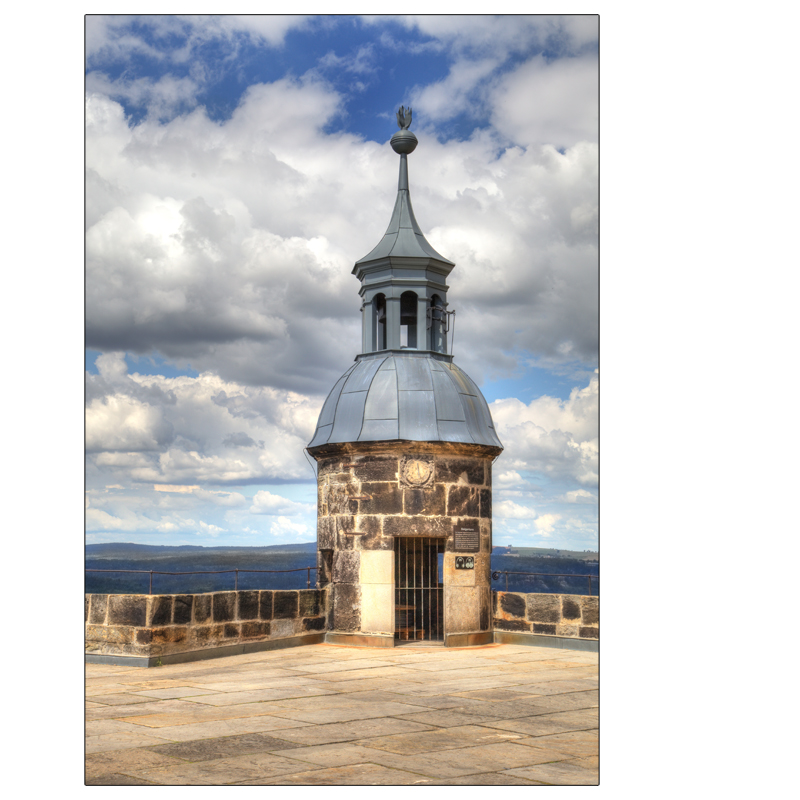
column 370, row 494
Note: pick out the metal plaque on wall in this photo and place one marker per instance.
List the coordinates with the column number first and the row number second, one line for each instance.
column 466, row 539
column 465, row 562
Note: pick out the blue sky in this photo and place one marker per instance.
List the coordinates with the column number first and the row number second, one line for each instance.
column 237, row 167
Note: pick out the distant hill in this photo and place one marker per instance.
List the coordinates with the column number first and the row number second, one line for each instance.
column 546, row 552
column 135, row 552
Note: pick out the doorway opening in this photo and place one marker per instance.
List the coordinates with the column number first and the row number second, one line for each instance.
column 418, row 589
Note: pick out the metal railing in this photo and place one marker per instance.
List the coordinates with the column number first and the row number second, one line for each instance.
column 496, row 576
column 236, row 572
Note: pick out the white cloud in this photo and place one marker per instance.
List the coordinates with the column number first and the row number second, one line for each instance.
column 284, row 528
column 276, row 506
column 546, row 523
column 558, row 438
column 208, row 421
column 549, row 102
column 507, row 509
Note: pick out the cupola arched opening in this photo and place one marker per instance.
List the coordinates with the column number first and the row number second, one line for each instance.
column 380, row 322
column 408, row 320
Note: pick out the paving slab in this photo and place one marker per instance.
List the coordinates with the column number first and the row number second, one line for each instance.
column 350, row 731
column 129, row 762
column 222, row 727
column 221, row 747
column 350, row 775
column 559, row 774
column 222, row 771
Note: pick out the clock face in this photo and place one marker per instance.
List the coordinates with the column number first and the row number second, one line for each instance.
column 417, row 473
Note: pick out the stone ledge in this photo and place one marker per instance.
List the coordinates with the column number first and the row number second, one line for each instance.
column 541, row 640
column 202, row 655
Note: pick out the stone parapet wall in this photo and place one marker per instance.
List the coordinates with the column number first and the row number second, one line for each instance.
column 151, row 626
column 566, row 615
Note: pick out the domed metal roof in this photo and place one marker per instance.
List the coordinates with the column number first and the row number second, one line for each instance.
column 405, row 396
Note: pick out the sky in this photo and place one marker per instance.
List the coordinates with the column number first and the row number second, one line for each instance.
column 237, row 167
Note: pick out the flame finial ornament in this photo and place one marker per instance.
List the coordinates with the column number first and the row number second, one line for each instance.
column 404, row 118
column 403, row 141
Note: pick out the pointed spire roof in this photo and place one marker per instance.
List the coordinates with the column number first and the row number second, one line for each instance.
column 403, row 237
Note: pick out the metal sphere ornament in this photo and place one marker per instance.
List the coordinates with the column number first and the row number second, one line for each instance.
column 403, row 142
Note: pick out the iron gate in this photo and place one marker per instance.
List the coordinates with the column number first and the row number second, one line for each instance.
column 418, row 595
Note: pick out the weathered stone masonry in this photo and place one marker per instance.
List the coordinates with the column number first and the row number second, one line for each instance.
column 148, row 626
column 366, row 498
column 564, row 615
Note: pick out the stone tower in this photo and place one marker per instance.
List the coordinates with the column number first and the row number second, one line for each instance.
column 404, row 448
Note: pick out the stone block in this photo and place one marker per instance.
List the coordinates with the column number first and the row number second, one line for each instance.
column 247, row 605
column 201, row 611
column 127, row 609
column 460, row 470
column 255, row 629
column 314, row 624
column 382, row 498
column 326, row 533
column 346, row 607
column 344, row 540
column 232, row 630
column 417, row 526
column 486, row 503
column 588, row 632
column 369, row 469
column 312, row 603
column 372, row 537
column 377, row 608
column 463, row 501
column 160, row 610
column 512, row 605
column 544, row 627
column 285, row 605
column 377, row 566
column 169, row 635
column 182, row 609
column 223, row 606
column 338, row 498
column 462, row 608
column 281, row 628
column 427, row 502
column 265, row 605
column 144, row 636
column 486, row 611
column 206, row 634
column 590, row 610
column 570, row 607
column 567, row 630
column 99, row 609
column 346, row 566
column 512, row 625
column 544, row 608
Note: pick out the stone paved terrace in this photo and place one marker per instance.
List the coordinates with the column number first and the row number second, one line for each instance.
column 327, row 715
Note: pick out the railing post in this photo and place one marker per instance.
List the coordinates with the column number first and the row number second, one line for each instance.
column 308, row 577
column 236, row 581
column 506, row 581
column 150, row 591
column 590, row 584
